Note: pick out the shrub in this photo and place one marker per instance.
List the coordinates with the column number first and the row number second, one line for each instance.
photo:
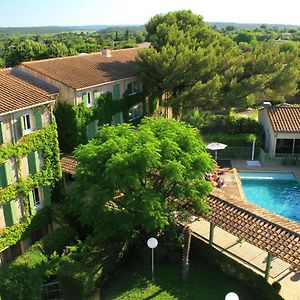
column 237, row 140
column 22, row 279
column 57, row 241
column 227, row 124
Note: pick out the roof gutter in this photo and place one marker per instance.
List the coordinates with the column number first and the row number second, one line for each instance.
column 104, row 83
column 26, row 107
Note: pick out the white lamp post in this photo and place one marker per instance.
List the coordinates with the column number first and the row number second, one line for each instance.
column 152, row 243
column 231, row 296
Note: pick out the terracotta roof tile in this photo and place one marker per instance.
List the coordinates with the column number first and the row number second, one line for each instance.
column 16, row 94
column 284, row 119
column 68, row 164
column 258, row 226
column 89, row 69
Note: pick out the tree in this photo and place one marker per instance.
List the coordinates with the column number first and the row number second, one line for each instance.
column 199, row 67
column 188, row 60
column 131, row 180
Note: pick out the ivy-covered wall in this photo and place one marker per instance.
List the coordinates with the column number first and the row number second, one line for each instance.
column 44, row 140
column 72, row 121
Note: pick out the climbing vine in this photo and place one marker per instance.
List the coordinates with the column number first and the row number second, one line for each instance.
column 72, row 121
column 44, row 140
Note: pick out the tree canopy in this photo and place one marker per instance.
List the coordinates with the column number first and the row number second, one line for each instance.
column 133, row 179
column 198, row 66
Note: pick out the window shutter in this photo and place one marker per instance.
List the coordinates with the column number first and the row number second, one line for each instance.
column 37, row 161
column 2, row 133
column 91, row 130
column 31, row 203
column 47, row 195
column 7, row 167
column 22, row 125
column 10, row 213
column 31, row 163
column 118, row 118
column 96, row 96
column 85, row 99
column 3, row 182
column 38, row 120
column 116, row 92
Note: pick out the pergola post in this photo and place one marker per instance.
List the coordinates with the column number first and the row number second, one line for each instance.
column 268, row 266
column 211, row 233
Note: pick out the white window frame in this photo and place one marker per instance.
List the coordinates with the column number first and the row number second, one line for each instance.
column 27, row 123
column 134, row 88
column 133, row 111
column 89, row 100
column 38, row 203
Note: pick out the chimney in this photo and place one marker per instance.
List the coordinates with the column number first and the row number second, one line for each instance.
column 266, row 104
column 106, row 53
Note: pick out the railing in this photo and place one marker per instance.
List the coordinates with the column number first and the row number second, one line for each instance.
column 244, row 153
column 51, row 291
column 282, row 158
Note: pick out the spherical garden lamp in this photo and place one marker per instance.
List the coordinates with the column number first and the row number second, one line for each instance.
column 152, row 243
column 231, row 296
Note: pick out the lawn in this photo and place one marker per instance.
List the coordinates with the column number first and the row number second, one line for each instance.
column 204, row 282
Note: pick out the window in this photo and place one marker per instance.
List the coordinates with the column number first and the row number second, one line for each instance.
column 87, row 99
column 36, row 198
column 25, row 122
column 284, row 146
column 135, row 111
column 134, row 88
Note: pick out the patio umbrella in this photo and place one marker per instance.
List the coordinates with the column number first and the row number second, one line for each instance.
column 215, row 147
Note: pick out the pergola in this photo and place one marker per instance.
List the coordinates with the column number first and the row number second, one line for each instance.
column 278, row 236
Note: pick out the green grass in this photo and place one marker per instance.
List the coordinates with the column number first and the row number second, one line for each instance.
column 204, row 282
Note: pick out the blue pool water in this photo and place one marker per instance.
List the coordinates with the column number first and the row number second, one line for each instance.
column 276, row 192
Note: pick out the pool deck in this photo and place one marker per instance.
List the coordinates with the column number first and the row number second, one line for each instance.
column 244, row 252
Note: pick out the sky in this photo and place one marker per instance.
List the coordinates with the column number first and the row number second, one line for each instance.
column 19, row 13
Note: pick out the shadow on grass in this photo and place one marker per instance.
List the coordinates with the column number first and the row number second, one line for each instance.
column 204, row 282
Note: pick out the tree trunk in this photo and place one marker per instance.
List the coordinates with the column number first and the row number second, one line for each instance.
column 186, row 251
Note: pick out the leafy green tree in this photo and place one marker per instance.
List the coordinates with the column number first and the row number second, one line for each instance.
column 245, row 36
column 2, row 63
column 58, row 50
column 25, row 51
column 137, row 179
column 198, row 67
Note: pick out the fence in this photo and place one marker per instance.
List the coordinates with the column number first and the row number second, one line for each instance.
column 51, row 291
column 244, row 153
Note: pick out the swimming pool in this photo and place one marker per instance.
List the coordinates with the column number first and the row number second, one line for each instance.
column 276, row 192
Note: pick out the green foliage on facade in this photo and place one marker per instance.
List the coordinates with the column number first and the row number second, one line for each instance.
column 44, row 140
column 72, row 121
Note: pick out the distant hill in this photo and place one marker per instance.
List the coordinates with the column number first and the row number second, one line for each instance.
column 251, row 25
column 110, row 28
column 51, row 29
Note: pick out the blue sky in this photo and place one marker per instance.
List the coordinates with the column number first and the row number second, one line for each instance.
column 90, row 12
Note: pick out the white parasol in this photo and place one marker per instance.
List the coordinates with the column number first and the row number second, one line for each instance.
column 215, row 147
